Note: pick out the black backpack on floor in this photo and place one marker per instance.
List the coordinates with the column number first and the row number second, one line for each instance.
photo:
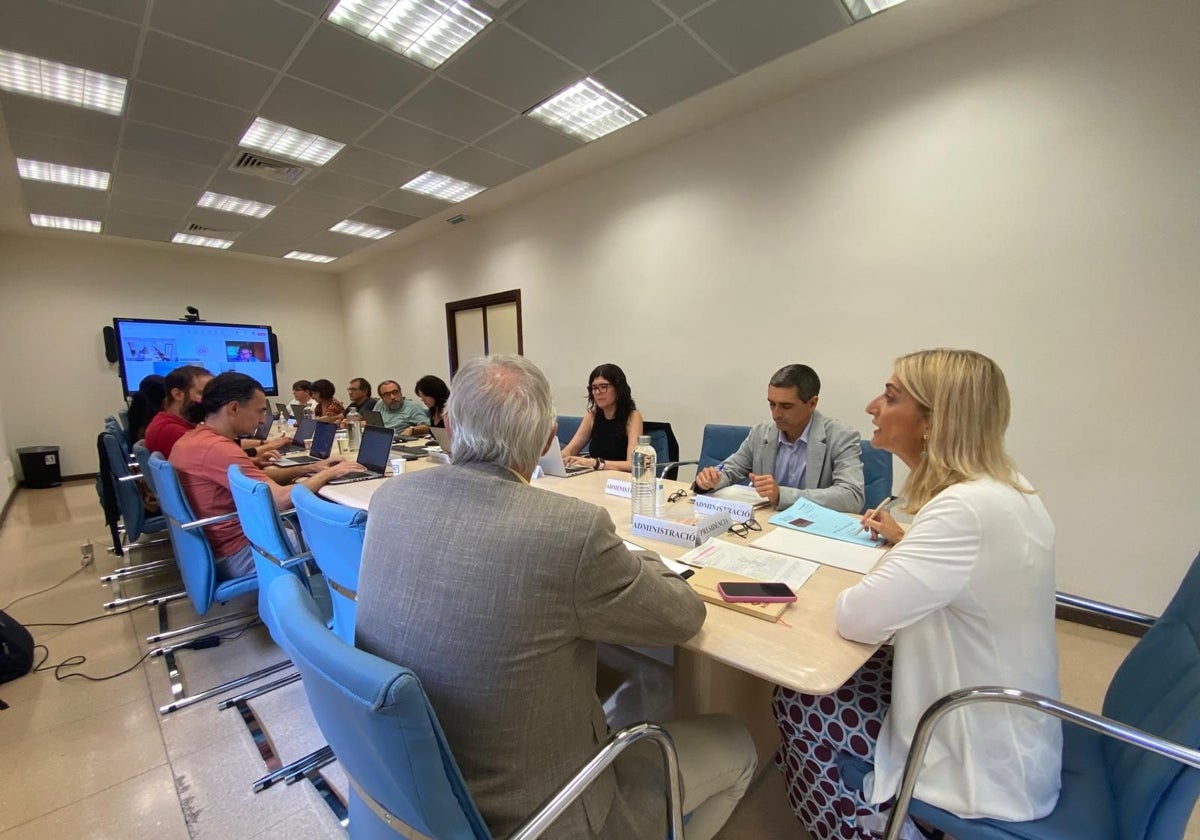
column 16, row 649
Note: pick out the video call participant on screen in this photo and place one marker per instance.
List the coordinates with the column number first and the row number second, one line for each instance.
column 513, row 685
column 611, row 425
column 360, row 395
column 800, row 453
column 329, row 409
column 302, row 395
column 433, row 394
column 400, row 412
column 966, row 594
column 234, row 404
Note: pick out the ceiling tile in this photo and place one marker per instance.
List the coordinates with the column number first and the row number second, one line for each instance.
column 411, row 203
column 69, row 35
column 37, row 116
column 230, row 224
column 163, row 169
column 336, row 244
column 450, row 109
column 258, row 30
column 60, row 200
column 130, row 10
column 313, row 7
column 181, row 112
column 61, row 150
column 666, row 69
column 344, row 186
column 683, row 7
column 250, row 186
column 355, row 67
column 747, row 33
column 326, row 205
column 303, row 106
column 384, row 218
column 125, row 184
column 176, row 64
column 403, row 139
column 373, row 166
column 326, row 212
column 510, row 68
column 134, row 226
column 589, row 32
column 480, row 167
column 529, row 142
column 149, row 207
column 153, row 140
column 255, row 242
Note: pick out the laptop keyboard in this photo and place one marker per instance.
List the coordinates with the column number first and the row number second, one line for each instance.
column 416, row 451
column 350, row 479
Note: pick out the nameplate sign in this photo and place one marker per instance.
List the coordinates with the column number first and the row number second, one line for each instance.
column 738, row 511
column 689, row 533
column 617, row 487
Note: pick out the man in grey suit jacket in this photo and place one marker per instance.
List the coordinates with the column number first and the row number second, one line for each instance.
column 801, row 452
column 496, row 593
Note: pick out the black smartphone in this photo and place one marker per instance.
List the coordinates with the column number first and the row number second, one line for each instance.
column 756, row 592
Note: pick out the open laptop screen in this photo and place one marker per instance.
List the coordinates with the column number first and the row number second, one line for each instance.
column 322, row 440
column 375, row 448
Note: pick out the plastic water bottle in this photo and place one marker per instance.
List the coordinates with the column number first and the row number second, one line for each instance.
column 354, row 428
column 645, row 483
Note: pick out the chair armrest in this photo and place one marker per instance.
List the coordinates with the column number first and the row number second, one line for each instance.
column 1029, row 700
column 1101, row 608
column 131, row 477
column 552, row 808
column 212, row 520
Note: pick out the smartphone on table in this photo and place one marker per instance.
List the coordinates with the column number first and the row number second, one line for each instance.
column 757, row 593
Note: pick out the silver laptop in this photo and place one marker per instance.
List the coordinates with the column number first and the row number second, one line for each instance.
column 552, row 462
column 322, row 446
column 442, row 437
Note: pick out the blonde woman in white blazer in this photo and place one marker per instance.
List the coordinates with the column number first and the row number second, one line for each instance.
column 966, row 597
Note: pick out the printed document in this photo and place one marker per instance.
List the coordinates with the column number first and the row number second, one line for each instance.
column 843, row 555
column 751, row 563
column 811, row 518
column 674, row 565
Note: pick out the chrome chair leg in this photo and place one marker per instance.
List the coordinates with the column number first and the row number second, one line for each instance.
column 229, row 702
column 124, row 572
column 163, row 635
column 297, row 769
column 182, row 701
column 145, row 599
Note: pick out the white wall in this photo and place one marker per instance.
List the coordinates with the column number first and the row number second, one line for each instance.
column 58, row 294
column 8, row 481
column 1027, row 188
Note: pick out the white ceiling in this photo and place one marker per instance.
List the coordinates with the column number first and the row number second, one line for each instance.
column 201, row 70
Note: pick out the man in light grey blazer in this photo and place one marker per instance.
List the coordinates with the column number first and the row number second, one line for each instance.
column 800, row 453
column 495, row 593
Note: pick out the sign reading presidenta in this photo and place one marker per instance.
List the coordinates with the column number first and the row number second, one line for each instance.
column 688, row 532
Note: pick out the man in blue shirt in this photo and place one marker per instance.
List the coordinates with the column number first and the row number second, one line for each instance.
column 398, row 411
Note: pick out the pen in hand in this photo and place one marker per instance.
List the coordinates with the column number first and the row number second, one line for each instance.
column 874, row 512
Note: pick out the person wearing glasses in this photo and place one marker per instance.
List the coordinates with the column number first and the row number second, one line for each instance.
column 800, row 453
column 966, row 595
column 610, row 426
column 398, row 411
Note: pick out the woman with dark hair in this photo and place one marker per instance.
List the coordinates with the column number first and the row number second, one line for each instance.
column 144, row 404
column 610, row 426
column 329, row 409
column 434, row 393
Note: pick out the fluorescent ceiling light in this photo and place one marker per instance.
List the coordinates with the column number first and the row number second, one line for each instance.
column 442, row 186
column 233, row 204
column 427, row 31
column 57, row 173
column 361, row 229
column 587, row 110
column 285, row 141
column 303, row 255
column 61, row 82
column 205, row 241
column 860, row 9
column 65, row 223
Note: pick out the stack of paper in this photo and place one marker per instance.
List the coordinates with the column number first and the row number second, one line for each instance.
column 751, row 563
column 829, row 552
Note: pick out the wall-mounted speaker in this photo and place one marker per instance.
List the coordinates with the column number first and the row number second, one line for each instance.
column 274, row 347
column 111, row 352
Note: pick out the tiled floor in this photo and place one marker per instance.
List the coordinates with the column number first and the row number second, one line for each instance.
column 83, row 759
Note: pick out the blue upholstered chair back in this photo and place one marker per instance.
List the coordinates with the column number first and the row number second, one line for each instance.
column 877, row 475
column 142, row 455
column 377, row 719
column 129, row 500
column 334, row 534
column 1157, row 688
column 193, row 555
column 262, row 526
column 666, row 447
column 567, row 427
column 719, row 442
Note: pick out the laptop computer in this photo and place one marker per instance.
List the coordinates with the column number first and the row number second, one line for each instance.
column 322, row 446
column 373, row 453
column 371, row 417
column 303, row 432
column 282, row 410
column 442, row 437
column 297, row 411
column 552, row 462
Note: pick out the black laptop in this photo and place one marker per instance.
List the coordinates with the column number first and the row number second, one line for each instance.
column 373, row 453
column 303, row 432
column 322, row 446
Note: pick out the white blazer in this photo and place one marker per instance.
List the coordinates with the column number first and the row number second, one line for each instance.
column 969, row 595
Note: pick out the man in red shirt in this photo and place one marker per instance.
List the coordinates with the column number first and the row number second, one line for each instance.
column 184, row 385
column 234, row 404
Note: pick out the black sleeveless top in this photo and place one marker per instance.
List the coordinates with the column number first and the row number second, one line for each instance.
column 609, row 440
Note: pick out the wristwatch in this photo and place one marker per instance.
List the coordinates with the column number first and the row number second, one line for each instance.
column 599, row 464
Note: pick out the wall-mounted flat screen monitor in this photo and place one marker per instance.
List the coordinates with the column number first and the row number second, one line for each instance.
column 148, row 347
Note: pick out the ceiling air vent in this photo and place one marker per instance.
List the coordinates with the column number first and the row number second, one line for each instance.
column 208, row 231
column 457, row 220
column 252, row 163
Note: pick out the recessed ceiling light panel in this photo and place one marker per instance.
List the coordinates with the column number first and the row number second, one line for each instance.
column 203, row 241
column 587, row 110
column 65, row 223
column 57, row 173
column 427, row 31
column 62, row 83
column 307, row 257
column 233, row 204
column 442, row 186
column 860, row 9
column 283, row 140
column 352, row 228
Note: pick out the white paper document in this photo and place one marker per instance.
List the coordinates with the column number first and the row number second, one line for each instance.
column 674, row 565
column 751, row 563
column 741, row 493
column 843, row 555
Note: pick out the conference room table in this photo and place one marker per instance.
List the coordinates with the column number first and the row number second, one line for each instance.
column 733, row 664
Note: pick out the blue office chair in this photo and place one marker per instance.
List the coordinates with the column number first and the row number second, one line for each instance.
column 403, row 777
column 152, row 524
column 567, row 427
column 717, row 443
column 198, row 568
column 877, row 476
column 334, row 534
column 666, row 448
column 1119, row 787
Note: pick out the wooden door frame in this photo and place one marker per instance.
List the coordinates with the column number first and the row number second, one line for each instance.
column 482, row 302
